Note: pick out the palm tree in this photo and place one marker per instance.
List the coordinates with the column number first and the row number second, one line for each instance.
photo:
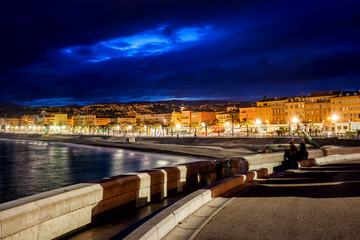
column 195, row 126
column 140, row 127
column 172, row 125
column 233, row 117
column 281, row 130
column 147, row 125
column 156, row 126
column 216, row 124
column 247, row 122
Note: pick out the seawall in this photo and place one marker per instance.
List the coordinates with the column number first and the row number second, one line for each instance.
column 55, row 213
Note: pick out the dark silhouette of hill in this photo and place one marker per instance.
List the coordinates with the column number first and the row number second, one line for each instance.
column 10, row 106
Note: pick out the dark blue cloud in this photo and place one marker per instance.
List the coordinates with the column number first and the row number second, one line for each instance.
column 98, row 51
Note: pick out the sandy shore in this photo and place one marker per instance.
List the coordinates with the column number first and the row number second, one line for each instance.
column 120, row 142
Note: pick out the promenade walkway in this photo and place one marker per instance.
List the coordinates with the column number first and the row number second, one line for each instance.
column 321, row 202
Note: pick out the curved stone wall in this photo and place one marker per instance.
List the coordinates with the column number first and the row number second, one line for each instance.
column 52, row 214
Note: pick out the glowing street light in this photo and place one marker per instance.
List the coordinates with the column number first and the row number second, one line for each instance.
column 295, row 120
column 334, row 117
column 257, row 121
column 204, row 125
column 178, row 126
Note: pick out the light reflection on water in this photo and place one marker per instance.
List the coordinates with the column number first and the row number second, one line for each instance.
column 30, row 167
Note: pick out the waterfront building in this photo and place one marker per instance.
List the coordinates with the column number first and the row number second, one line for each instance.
column 318, row 106
column 271, row 110
column 28, row 120
column 14, row 121
column 49, row 120
column 295, row 109
column 222, row 117
column 203, row 117
column 82, row 120
column 122, row 121
column 185, row 118
column 346, row 106
column 176, row 117
column 70, row 122
column 248, row 112
column 102, row 121
column 163, row 118
column 60, row 119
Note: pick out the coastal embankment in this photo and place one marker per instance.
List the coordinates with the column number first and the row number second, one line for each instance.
column 209, row 147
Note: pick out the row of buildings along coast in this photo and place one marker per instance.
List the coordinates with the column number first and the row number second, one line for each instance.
column 329, row 110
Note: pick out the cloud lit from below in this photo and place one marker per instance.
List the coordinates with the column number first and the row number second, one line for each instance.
column 156, row 41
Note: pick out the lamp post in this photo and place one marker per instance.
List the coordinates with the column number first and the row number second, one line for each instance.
column 204, row 125
column 227, row 124
column 295, row 120
column 177, row 128
column 257, row 123
column 334, row 118
column 130, row 128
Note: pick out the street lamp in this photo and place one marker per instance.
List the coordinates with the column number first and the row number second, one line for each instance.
column 334, row 118
column 178, row 127
column 295, row 120
column 204, row 125
column 258, row 123
column 130, row 128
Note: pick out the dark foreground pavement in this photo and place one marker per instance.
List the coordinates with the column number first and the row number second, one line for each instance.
column 315, row 203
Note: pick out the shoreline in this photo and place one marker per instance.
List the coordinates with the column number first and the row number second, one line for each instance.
column 120, row 142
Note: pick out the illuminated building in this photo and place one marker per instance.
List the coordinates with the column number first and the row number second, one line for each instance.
column 318, row 106
column 176, row 117
column 346, row 106
column 249, row 113
column 295, row 107
column 185, row 118
column 222, row 117
column 163, row 118
column 272, row 110
column 203, row 117
column 14, row 121
column 60, row 119
column 126, row 120
column 102, row 121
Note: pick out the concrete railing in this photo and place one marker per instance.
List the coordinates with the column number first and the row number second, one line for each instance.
column 162, row 223
column 55, row 213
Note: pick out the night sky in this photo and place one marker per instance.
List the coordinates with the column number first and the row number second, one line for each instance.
column 84, row 51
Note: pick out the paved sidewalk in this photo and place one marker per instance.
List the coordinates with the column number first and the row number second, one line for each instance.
column 321, row 202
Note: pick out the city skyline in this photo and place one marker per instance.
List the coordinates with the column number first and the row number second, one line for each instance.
column 78, row 52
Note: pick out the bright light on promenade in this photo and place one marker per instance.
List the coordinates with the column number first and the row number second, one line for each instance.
column 295, row 120
column 334, row 117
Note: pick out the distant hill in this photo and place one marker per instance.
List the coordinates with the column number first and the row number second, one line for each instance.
column 195, row 103
column 10, row 106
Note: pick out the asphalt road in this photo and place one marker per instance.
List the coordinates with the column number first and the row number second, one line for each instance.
column 316, row 203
